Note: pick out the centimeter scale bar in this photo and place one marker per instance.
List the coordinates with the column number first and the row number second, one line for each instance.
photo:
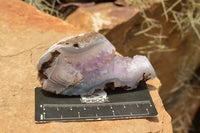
column 128, row 104
column 95, row 111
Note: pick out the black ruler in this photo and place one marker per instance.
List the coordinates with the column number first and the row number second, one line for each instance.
column 120, row 104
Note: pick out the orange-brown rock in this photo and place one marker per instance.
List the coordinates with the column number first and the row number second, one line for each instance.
column 168, row 64
column 101, row 16
column 21, row 46
column 174, row 68
column 14, row 34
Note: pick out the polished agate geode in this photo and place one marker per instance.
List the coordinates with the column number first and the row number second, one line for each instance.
column 79, row 65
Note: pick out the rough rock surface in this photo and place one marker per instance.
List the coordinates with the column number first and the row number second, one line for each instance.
column 124, row 38
column 101, row 16
column 22, row 44
column 173, row 68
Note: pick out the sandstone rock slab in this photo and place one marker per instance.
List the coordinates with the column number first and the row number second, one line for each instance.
column 101, row 16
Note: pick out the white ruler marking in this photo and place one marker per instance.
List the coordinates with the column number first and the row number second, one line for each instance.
column 109, row 116
column 43, row 117
column 79, row 115
column 98, row 104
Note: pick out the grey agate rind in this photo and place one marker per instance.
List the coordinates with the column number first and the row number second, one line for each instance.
column 79, row 65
